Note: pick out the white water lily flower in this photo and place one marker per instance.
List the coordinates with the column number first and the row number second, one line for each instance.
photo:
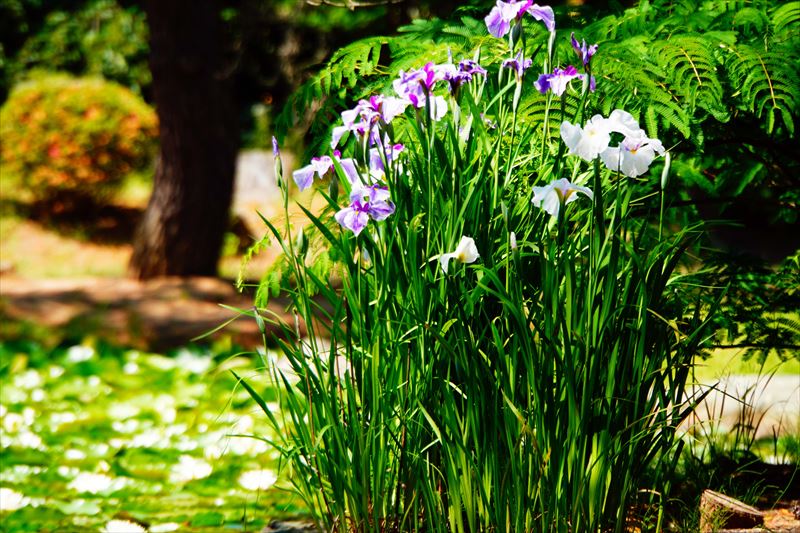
column 166, row 527
column 257, row 479
column 91, row 483
column 188, row 469
column 28, row 380
column 589, row 141
column 557, row 193
column 633, row 156
column 79, row 353
column 246, row 445
column 122, row 526
column 11, row 500
column 466, row 252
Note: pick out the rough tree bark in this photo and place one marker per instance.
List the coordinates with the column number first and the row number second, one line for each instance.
column 182, row 229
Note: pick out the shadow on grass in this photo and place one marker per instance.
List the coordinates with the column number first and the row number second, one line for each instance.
column 79, row 218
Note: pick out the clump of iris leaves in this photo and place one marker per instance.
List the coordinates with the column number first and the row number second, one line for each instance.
column 92, row 434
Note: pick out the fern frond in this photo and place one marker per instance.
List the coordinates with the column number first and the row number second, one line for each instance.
column 633, row 82
column 351, row 62
column 691, row 69
column 768, row 83
column 786, row 18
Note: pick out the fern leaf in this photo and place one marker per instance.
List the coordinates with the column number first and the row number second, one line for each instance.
column 768, row 83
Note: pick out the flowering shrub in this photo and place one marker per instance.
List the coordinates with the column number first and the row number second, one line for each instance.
column 507, row 351
column 77, row 136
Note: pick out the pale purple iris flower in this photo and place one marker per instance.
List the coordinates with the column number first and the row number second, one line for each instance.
column 366, row 203
column 437, row 108
column 365, row 117
column 559, row 79
column 584, row 52
column 276, row 151
column 320, row 166
column 588, row 141
column 499, row 19
column 593, row 138
column 633, row 156
column 416, row 87
column 377, row 168
column 519, row 64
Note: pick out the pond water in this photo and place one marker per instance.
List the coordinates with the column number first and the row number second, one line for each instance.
column 100, row 439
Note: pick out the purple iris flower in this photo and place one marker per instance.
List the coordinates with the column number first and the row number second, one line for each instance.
column 584, row 52
column 415, row 85
column 320, row 166
column 559, row 79
column 461, row 74
column 499, row 19
column 276, row 151
column 366, row 203
column 518, row 64
column 364, row 118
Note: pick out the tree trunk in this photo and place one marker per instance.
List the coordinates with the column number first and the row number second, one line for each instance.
column 182, row 229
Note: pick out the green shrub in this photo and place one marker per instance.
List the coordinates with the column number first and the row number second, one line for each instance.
column 66, row 136
column 89, row 37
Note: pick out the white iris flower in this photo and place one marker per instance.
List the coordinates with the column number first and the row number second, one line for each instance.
column 632, row 157
column 589, row 141
column 557, row 193
column 466, row 252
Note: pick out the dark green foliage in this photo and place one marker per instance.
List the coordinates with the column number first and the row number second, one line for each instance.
column 760, row 311
column 99, row 37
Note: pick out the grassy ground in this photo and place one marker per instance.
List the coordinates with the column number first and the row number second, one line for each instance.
column 725, row 362
column 100, row 246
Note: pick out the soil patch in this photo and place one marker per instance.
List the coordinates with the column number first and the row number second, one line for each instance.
column 153, row 315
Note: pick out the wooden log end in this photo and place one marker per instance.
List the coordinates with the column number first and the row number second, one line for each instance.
column 719, row 512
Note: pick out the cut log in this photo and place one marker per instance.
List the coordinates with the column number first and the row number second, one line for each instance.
column 721, row 512
column 277, row 526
